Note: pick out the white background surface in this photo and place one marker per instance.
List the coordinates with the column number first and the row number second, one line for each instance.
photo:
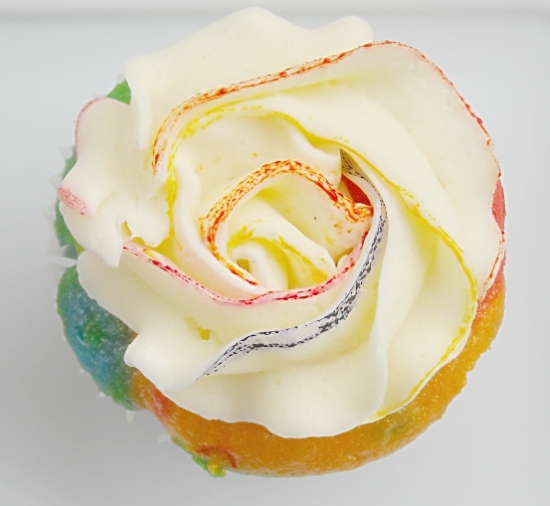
column 61, row 445
column 278, row 6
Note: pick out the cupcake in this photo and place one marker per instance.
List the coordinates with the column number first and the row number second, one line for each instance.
column 289, row 244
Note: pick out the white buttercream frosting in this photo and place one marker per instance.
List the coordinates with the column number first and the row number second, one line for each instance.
column 216, row 213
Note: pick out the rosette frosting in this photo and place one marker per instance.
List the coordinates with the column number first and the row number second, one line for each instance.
column 297, row 224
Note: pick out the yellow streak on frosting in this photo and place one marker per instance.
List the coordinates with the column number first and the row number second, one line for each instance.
column 309, row 270
column 463, row 330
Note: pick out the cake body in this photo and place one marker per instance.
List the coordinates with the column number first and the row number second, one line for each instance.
column 279, row 256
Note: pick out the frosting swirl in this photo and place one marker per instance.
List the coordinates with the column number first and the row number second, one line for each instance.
column 302, row 250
